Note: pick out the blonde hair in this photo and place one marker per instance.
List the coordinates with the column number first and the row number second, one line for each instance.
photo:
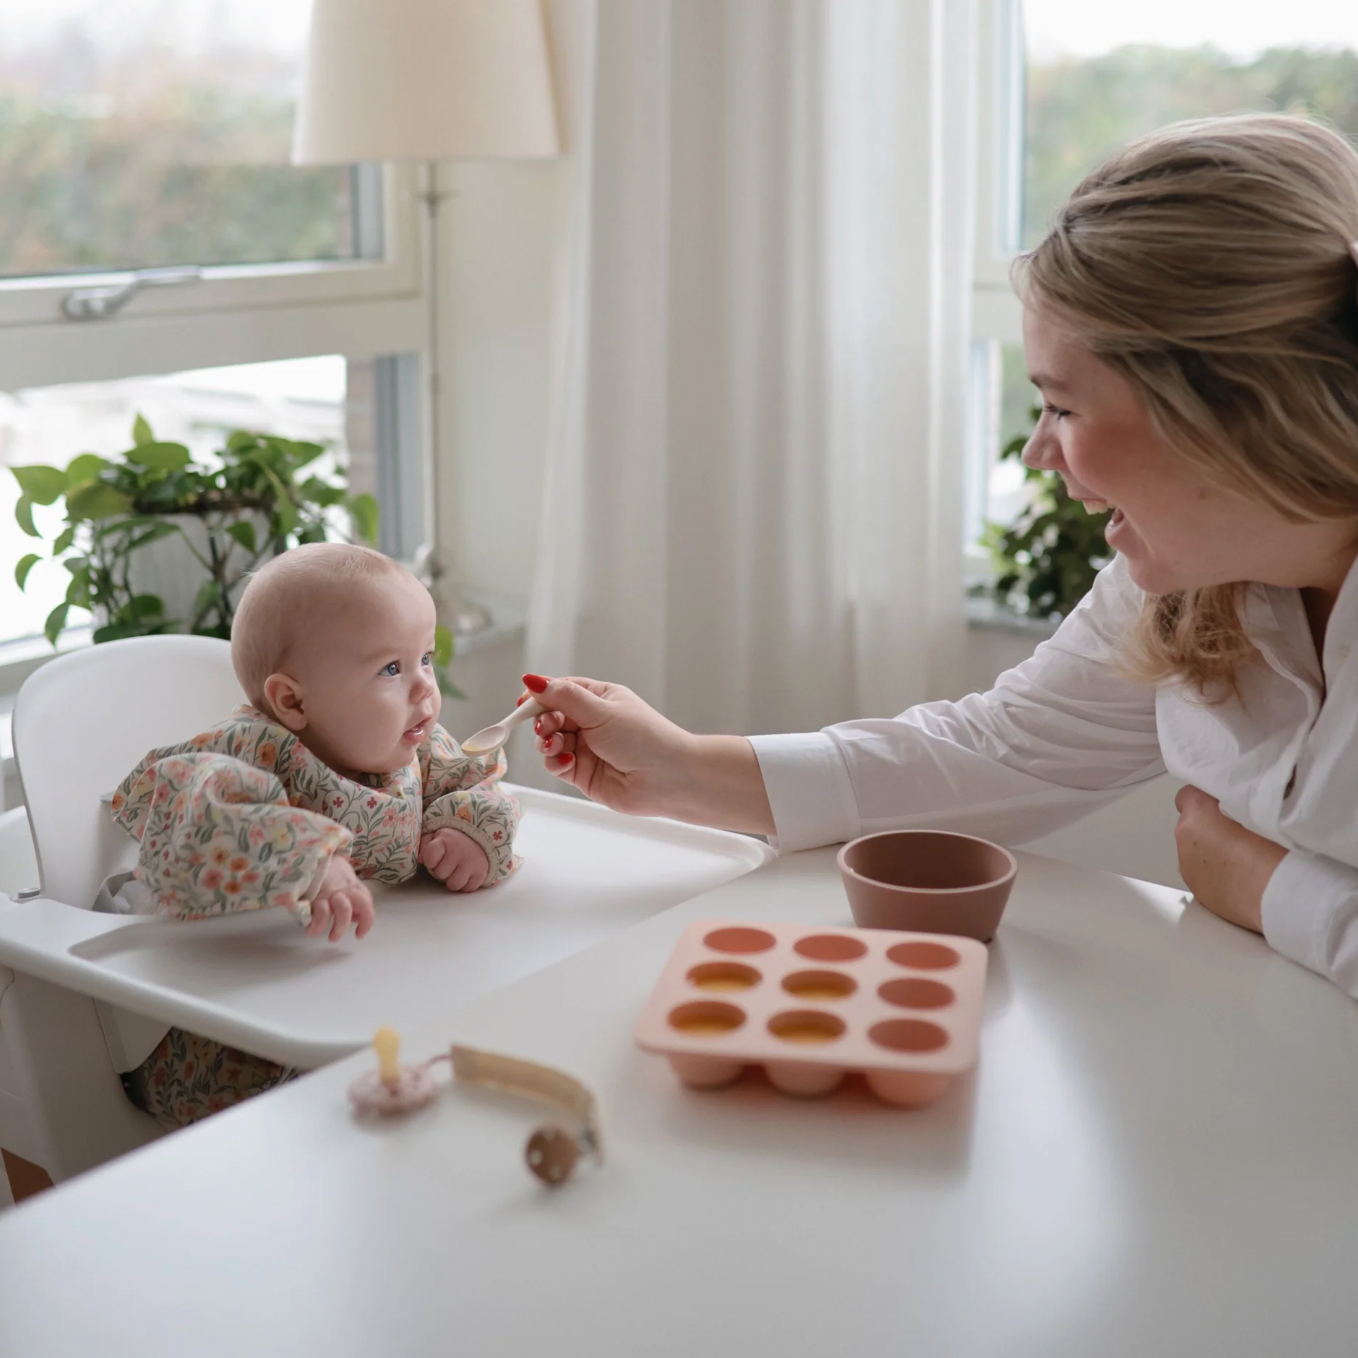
column 1210, row 264
column 288, row 596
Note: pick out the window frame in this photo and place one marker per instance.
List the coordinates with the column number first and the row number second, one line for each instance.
column 362, row 307
column 995, row 311
column 996, row 316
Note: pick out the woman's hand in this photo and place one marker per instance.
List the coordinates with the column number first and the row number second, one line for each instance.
column 620, row 751
column 1225, row 866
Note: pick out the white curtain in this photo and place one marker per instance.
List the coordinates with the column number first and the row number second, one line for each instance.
column 753, row 495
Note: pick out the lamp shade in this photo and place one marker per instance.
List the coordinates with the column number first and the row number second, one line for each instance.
column 425, row 80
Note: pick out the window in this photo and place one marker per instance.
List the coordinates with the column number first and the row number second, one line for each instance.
column 300, row 398
column 155, row 135
column 1070, row 82
column 145, row 134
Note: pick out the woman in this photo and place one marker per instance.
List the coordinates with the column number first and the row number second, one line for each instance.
column 1191, row 321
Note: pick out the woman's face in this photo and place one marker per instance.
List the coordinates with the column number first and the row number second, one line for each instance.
column 1175, row 529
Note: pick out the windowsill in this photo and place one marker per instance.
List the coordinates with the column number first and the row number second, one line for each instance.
column 987, row 615
column 508, row 623
column 18, row 659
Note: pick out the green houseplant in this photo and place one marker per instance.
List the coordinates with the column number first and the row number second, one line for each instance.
column 154, row 542
column 1046, row 560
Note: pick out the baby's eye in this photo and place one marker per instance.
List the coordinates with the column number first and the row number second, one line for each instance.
column 393, row 669
column 427, row 658
column 1056, row 411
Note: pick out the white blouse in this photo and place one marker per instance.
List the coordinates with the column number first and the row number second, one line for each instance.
column 1064, row 733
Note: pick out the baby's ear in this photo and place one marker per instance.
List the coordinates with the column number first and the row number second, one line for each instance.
column 284, row 695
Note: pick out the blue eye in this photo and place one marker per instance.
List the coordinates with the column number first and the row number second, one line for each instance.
column 427, row 658
column 393, row 669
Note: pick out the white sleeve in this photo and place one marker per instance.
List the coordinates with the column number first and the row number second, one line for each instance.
column 1056, row 738
column 1310, row 914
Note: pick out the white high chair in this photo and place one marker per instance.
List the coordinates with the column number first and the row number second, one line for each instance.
column 81, row 979
column 80, row 725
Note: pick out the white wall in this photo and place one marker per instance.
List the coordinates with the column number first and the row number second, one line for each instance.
column 499, row 241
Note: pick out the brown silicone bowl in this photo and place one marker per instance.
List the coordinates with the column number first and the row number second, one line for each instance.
column 929, row 880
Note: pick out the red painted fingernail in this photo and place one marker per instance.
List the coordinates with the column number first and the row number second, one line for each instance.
column 565, row 760
column 537, row 726
column 535, row 683
column 520, row 700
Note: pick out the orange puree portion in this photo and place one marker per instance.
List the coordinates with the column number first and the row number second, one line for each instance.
column 706, row 1027
column 820, row 991
column 809, row 1033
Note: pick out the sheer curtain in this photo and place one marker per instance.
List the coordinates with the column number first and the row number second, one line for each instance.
column 753, row 488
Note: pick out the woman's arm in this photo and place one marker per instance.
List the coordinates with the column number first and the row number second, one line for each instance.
column 620, row 751
column 1056, row 738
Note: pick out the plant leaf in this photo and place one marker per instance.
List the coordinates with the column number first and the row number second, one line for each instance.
column 42, row 485
column 56, row 620
column 117, row 631
column 26, row 564
column 159, row 457
column 208, row 596
column 84, row 468
column 363, row 511
column 141, row 431
column 64, row 540
column 96, row 501
column 443, row 646
column 243, row 533
column 302, row 453
column 78, row 591
column 154, row 533
column 23, row 516
column 143, row 607
column 284, row 516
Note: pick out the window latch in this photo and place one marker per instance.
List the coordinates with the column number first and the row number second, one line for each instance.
column 98, row 304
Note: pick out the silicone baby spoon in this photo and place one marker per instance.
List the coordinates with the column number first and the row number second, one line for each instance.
column 492, row 737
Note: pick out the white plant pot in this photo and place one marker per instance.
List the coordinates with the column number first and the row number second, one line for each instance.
column 169, row 570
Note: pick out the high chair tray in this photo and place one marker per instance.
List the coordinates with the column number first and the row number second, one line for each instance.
column 256, row 981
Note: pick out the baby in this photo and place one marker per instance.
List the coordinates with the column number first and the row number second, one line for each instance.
column 336, row 771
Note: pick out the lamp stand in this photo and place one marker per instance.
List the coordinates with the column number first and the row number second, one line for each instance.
column 462, row 616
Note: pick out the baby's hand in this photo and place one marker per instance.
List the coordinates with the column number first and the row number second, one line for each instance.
column 341, row 900
column 457, row 860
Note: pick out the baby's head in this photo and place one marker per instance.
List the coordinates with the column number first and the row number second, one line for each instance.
column 336, row 643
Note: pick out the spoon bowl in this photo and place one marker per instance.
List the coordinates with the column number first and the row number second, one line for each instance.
column 491, row 738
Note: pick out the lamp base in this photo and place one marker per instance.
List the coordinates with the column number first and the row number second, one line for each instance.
column 464, row 617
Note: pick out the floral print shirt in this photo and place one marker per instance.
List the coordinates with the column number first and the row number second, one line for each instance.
column 245, row 817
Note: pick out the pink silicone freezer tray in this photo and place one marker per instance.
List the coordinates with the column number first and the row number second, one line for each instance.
column 810, row 1005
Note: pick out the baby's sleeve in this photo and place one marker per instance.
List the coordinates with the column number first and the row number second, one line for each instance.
column 464, row 793
column 218, row 836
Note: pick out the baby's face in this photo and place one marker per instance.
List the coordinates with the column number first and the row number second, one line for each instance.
column 366, row 680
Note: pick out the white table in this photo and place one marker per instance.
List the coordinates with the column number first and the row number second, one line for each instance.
column 1158, row 1156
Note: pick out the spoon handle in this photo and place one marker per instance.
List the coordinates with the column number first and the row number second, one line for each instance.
column 526, row 711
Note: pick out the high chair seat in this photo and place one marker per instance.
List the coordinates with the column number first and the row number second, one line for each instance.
column 82, row 722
